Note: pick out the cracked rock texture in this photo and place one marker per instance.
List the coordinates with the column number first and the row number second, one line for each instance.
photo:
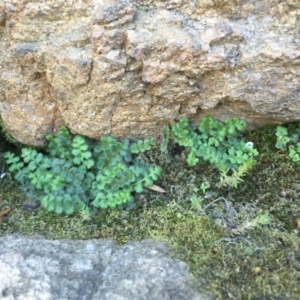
column 34, row 268
column 126, row 68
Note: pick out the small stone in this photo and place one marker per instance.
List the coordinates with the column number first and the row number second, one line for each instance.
column 31, row 205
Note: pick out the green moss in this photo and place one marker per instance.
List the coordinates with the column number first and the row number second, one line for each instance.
column 263, row 264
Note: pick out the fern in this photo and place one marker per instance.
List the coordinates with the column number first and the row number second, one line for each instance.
column 217, row 143
column 142, row 145
column 76, row 173
column 288, row 139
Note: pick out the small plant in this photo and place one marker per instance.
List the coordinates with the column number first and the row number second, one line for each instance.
column 85, row 214
column 166, row 137
column 76, row 172
column 288, row 140
column 3, row 173
column 259, row 220
column 218, row 143
column 196, row 202
column 204, row 186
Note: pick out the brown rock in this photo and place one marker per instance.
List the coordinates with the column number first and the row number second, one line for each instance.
column 126, row 68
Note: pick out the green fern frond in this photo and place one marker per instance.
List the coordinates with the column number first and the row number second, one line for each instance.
column 77, row 173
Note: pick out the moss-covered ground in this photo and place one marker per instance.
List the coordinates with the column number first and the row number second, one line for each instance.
column 262, row 263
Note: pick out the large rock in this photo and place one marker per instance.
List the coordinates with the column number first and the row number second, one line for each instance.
column 126, row 67
column 35, row 268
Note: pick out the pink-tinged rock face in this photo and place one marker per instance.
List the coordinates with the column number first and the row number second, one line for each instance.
column 126, row 68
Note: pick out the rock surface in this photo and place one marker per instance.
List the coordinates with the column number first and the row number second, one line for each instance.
column 35, row 268
column 126, row 67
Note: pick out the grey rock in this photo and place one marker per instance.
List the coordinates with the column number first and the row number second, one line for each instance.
column 30, row 205
column 24, row 48
column 36, row 268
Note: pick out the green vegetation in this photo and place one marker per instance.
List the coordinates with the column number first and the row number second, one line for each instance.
column 288, row 139
column 75, row 173
column 220, row 144
column 240, row 243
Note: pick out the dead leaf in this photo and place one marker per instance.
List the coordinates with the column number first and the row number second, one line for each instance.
column 156, row 188
column 4, row 212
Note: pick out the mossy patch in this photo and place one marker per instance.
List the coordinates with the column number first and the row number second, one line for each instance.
column 262, row 263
